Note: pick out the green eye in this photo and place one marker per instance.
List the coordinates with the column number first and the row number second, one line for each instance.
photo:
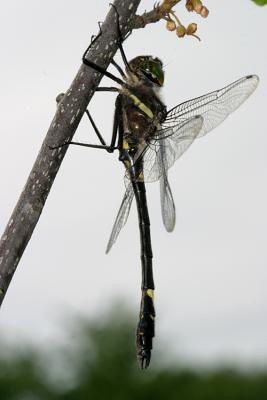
column 153, row 68
column 156, row 70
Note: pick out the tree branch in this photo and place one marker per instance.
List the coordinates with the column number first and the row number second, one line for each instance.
column 140, row 21
column 165, row 11
column 65, row 122
column 160, row 11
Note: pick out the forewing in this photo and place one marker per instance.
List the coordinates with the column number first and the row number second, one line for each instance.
column 215, row 106
column 172, row 142
column 122, row 216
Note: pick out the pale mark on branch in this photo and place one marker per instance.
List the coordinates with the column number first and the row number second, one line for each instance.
column 28, row 208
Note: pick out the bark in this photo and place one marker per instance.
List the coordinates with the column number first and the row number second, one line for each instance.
column 65, row 122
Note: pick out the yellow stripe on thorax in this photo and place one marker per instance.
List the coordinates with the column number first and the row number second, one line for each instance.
column 138, row 103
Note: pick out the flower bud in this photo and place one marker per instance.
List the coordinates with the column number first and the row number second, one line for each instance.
column 171, row 26
column 192, row 28
column 197, row 6
column 189, row 6
column 180, row 31
column 204, row 12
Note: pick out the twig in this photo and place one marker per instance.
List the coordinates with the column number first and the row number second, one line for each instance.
column 69, row 113
column 159, row 12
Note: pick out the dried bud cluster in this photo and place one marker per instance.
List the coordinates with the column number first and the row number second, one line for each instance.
column 180, row 29
column 174, row 24
column 197, row 6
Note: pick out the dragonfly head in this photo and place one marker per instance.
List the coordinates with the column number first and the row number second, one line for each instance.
column 147, row 70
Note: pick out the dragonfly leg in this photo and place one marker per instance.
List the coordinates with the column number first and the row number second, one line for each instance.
column 93, row 146
column 98, row 67
column 103, row 145
column 106, row 89
column 95, row 66
column 120, row 41
column 115, row 127
column 113, row 62
column 100, row 89
column 98, row 134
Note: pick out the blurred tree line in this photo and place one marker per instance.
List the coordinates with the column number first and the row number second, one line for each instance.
column 100, row 363
column 260, row 2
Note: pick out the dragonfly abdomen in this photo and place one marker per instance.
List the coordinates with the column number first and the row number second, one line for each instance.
column 146, row 326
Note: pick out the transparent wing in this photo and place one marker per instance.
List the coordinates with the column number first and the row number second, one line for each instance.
column 166, row 198
column 167, row 204
column 122, row 216
column 167, row 146
column 215, row 106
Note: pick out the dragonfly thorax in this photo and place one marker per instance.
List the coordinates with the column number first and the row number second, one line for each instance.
column 143, row 112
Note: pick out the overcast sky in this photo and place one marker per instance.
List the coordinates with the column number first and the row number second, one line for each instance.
column 210, row 273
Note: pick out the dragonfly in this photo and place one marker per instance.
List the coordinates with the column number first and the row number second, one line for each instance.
column 149, row 139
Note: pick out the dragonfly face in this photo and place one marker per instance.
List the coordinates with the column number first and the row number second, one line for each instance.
column 146, row 70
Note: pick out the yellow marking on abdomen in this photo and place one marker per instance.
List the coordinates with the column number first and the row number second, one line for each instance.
column 127, row 164
column 125, row 145
column 150, row 293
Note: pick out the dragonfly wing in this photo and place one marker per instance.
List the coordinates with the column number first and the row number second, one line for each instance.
column 166, row 198
column 171, row 142
column 167, row 204
column 215, row 106
column 122, row 216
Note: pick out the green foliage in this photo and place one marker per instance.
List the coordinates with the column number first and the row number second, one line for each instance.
column 101, row 364
column 260, row 2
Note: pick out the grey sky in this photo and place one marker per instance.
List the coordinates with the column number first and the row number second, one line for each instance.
column 210, row 273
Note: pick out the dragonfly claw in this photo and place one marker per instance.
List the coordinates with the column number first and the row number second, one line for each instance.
column 144, row 359
column 144, row 346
